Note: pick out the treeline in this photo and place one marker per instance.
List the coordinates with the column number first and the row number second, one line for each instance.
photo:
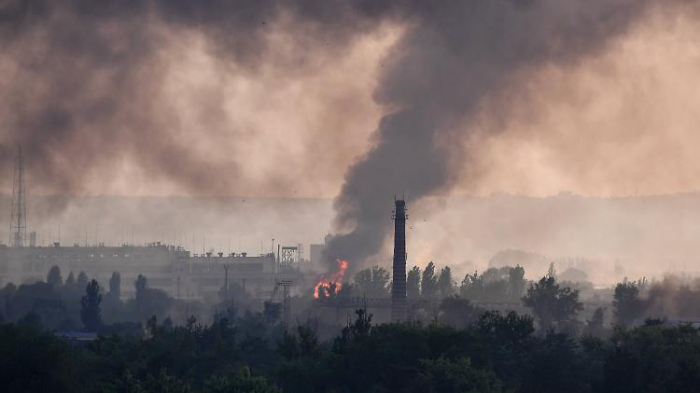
column 79, row 303
column 460, row 347
column 496, row 353
column 505, row 284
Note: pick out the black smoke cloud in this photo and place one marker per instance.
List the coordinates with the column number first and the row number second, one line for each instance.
column 82, row 83
column 88, row 84
column 456, row 54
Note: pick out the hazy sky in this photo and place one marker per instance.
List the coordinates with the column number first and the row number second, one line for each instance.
column 621, row 121
column 354, row 100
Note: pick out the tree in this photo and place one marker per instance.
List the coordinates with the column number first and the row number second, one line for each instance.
column 149, row 301
column 373, row 282
column 627, row 306
column 413, row 283
column 457, row 312
column 445, row 285
column 90, row 310
column 141, row 284
column 553, row 306
column 71, row 279
column 355, row 332
column 444, row 376
column 552, row 271
column 54, row 277
column 429, row 282
column 271, row 311
column 242, row 381
column 596, row 325
column 115, row 285
column 516, row 282
column 82, row 279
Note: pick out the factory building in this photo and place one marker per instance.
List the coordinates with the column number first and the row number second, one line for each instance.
column 169, row 268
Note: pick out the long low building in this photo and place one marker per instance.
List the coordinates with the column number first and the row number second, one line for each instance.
column 169, row 268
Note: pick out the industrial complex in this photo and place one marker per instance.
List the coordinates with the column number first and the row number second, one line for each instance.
column 171, row 268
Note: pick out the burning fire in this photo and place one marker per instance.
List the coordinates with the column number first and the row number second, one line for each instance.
column 337, row 277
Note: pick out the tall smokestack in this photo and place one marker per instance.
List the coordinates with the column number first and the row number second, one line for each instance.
column 398, row 289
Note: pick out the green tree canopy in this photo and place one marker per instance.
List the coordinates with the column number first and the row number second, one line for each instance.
column 54, row 276
column 445, row 284
column 627, row 305
column 115, row 283
column 413, row 283
column 90, row 312
column 429, row 282
column 372, row 282
column 552, row 305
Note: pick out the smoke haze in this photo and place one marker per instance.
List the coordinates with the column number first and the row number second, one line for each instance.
column 375, row 99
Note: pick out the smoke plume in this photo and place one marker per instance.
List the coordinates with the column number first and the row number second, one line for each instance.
column 448, row 61
column 84, row 87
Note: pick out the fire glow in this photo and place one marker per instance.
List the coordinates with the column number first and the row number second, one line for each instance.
column 336, row 277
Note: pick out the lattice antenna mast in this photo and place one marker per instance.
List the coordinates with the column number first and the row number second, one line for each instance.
column 18, row 218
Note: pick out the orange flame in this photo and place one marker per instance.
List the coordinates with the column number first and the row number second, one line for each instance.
column 330, row 278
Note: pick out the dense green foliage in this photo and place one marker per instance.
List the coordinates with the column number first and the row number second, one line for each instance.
column 452, row 344
column 495, row 353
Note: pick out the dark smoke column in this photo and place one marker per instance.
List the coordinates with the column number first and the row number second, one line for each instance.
column 398, row 288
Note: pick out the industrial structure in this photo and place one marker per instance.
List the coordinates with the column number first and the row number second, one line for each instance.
column 398, row 288
column 170, row 268
column 18, row 218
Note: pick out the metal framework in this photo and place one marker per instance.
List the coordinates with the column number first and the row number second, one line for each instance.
column 286, row 299
column 18, row 218
column 289, row 255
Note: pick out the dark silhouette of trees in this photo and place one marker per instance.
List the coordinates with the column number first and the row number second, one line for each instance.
column 413, row 278
column 241, row 381
column 553, row 306
column 115, row 285
column 496, row 353
column 445, row 284
column 627, row 306
column 82, row 279
column 505, row 284
column 70, row 280
column 516, row 283
column 90, row 312
column 596, row 325
column 141, row 284
column 428, row 282
column 457, row 312
column 272, row 311
column 149, row 301
column 372, row 282
column 443, row 375
column 54, row 276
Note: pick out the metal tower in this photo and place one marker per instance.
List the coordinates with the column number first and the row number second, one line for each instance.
column 398, row 288
column 286, row 299
column 18, row 218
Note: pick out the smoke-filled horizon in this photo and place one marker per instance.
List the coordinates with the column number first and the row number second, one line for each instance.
column 363, row 99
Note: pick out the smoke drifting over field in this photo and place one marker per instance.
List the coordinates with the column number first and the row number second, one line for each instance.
column 155, row 94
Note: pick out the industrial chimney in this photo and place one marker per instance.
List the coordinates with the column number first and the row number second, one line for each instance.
column 398, row 289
